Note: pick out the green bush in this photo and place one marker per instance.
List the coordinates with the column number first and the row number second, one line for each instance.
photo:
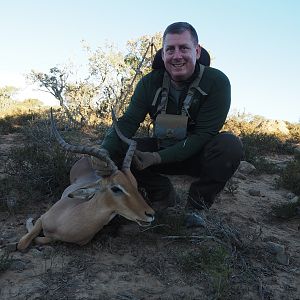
column 257, row 144
column 5, row 261
column 213, row 261
column 287, row 210
column 290, row 177
column 14, row 123
column 39, row 168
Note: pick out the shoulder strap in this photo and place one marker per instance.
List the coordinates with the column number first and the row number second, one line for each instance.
column 164, row 90
column 194, row 86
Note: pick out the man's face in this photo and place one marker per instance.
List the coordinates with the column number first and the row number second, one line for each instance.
column 179, row 55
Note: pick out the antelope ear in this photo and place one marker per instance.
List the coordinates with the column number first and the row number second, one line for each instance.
column 84, row 193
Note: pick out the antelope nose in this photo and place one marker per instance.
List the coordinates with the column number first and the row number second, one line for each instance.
column 149, row 215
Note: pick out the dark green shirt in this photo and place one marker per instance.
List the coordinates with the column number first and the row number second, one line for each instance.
column 208, row 114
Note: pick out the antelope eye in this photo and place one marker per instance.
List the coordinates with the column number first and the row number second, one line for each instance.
column 115, row 189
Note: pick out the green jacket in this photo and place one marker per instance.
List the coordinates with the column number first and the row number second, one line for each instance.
column 208, row 114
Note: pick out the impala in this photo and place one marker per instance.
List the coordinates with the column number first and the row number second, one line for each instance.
column 94, row 197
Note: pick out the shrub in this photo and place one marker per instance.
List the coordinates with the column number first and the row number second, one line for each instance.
column 39, row 168
column 214, row 261
column 286, row 210
column 260, row 138
column 6, row 126
column 5, row 261
column 290, row 177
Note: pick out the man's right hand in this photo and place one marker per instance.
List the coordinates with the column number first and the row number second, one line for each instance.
column 143, row 160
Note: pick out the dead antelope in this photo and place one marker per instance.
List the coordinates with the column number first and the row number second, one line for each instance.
column 94, row 197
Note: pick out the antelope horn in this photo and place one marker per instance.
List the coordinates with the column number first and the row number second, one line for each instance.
column 132, row 144
column 93, row 151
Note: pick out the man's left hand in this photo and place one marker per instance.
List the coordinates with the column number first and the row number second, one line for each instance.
column 143, row 160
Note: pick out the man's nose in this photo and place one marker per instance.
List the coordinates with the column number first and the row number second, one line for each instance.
column 177, row 53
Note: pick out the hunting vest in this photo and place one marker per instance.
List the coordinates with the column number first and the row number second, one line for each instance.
column 170, row 128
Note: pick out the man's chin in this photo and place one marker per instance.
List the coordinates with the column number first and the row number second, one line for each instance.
column 179, row 77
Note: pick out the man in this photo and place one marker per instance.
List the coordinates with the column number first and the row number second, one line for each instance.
column 189, row 104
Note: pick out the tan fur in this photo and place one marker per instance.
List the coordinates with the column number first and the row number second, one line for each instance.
column 87, row 205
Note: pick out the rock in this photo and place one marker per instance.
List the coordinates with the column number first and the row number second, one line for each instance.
column 290, row 195
column 240, row 176
column 295, row 199
column 245, row 168
column 36, row 253
column 275, row 248
column 279, row 250
column 194, row 220
column 18, row 265
column 254, row 192
column 48, row 252
column 283, row 258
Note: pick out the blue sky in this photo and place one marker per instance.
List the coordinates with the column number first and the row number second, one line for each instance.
column 256, row 43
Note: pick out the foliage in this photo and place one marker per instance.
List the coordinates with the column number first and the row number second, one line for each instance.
column 54, row 82
column 290, row 177
column 264, row 166
column 263, row 137
column 211, row 260
column 142, row 50
column 294, row 132
column 39, row 168
column 170, row 224
column 286, row 210
column 19, row 115
column 5, row 261
column 6, row 98
column 6, row 126
column 110, row 82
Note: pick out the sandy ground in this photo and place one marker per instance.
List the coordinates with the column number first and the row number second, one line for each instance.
column 125, row 261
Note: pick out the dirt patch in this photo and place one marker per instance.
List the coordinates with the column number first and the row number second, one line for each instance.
column 125, row 261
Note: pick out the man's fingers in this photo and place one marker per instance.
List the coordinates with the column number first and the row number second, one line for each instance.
column 137, row 162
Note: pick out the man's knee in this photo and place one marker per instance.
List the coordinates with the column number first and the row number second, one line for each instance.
column 229, row 144
column 222, row 156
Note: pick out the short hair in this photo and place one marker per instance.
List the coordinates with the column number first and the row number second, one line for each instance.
column 180, row 27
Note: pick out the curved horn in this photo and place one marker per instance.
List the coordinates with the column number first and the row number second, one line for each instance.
column 93, row 151
column 132, row 144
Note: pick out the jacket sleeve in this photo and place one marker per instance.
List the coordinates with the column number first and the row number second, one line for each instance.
column 209, row 121
column 128, row 123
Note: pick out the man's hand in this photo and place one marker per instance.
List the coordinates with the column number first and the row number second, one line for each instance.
column 143, row 160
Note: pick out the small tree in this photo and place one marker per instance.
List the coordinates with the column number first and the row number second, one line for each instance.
column 110, row 83
column 55, row 83
column 6, row 97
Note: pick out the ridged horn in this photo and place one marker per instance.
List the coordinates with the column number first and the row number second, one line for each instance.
column 132, row 144
column 102, row 154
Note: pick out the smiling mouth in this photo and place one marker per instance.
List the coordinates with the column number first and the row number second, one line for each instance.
column 178, row 65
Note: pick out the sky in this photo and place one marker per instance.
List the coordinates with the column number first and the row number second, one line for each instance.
column 256, row 43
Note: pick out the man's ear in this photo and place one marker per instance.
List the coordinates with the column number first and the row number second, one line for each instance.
column 198, row 51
